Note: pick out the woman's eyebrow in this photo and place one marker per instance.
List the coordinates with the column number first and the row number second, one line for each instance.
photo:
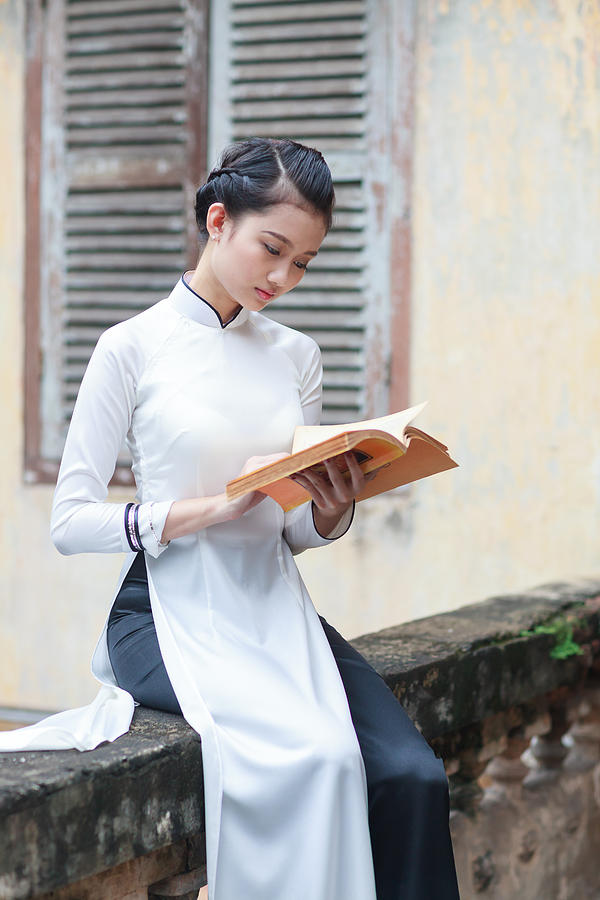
column 285, row 240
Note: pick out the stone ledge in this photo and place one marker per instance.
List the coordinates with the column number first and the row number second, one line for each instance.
column 68, row 815
column 460, row 667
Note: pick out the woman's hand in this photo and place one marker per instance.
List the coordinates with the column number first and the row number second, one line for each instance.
column 239, row 506
column 189, row 516
column 333, row 493
column 257, row 462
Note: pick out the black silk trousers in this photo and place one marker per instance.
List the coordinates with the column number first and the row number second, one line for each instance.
column 406, row 783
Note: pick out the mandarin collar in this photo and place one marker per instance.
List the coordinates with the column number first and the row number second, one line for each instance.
column 187, row 302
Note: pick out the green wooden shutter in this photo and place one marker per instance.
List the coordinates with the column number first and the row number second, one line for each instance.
column 124, row 119
column 306, row 71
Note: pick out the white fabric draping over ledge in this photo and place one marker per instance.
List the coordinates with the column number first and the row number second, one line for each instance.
column 284, row 781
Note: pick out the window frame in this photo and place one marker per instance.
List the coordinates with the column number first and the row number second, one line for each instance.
column 396, row 23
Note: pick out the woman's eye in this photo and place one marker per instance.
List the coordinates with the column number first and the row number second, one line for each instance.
column 275, row 252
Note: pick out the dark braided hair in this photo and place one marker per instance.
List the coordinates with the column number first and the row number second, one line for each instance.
column 257, row 173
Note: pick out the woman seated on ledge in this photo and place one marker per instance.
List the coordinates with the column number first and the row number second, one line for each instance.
column 317, row 784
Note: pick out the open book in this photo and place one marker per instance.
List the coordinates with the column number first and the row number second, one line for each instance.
column 398, row 451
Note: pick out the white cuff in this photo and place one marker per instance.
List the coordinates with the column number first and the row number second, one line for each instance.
column 342, row 526
column 152, row 517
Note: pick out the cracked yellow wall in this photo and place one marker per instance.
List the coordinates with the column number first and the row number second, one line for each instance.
column 505, row 345
column 505, row 319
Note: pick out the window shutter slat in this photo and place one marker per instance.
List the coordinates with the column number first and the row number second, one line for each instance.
column 270, row 34
column 305, row 299
column 148, row 116
column 318, row 317
column 120, row 80
column 297, row 88
column 132, row 300
column 106, row 278
column 297, row 50
column 124, row 260
column 170, row 59
column 127, row 23
column 97, row 47
column 267, row 71
column 292, row 4
column 91, row 10
column 114, row 202
column 327, row 108
column 278, row 12
column 336, row 128
column 148, row 132
column 105, row 98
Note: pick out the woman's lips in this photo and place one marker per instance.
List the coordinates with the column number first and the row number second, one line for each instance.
column 264, row 295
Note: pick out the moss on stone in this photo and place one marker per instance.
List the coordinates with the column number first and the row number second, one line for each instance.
column 562, row 630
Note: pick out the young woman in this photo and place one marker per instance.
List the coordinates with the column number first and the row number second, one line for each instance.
column 317, row 785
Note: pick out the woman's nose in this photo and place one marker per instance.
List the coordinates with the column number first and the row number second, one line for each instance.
column 280, row 275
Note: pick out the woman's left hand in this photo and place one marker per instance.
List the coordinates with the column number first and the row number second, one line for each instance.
column 333, row 493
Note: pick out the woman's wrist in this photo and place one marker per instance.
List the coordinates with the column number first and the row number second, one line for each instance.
column 188, row 516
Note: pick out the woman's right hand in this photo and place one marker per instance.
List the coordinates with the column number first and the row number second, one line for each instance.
column 188, row 516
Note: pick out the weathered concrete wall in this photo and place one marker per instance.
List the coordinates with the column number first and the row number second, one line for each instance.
column 505, row 344
column 506, row 318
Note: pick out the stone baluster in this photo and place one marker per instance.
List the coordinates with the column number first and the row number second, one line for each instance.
column 504, row 774
column 466, row 772
column 546, row 753
column 583, row 738
column 463, row 777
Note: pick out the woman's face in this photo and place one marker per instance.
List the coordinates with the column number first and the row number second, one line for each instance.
column 262, row 255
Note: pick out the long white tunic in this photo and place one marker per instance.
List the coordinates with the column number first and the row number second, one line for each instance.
column 284, row 782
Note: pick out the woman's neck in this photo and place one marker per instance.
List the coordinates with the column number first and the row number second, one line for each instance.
column 204, row 282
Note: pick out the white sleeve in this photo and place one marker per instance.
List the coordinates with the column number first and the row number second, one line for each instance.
column 299, row 528
column 81, row 520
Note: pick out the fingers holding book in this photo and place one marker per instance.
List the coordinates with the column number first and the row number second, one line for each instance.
column 335, row 482
column 390, row 449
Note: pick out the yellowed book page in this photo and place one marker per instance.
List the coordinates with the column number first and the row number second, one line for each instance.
column 307, row 435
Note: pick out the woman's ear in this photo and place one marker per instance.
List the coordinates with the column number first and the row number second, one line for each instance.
column 215, row 220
